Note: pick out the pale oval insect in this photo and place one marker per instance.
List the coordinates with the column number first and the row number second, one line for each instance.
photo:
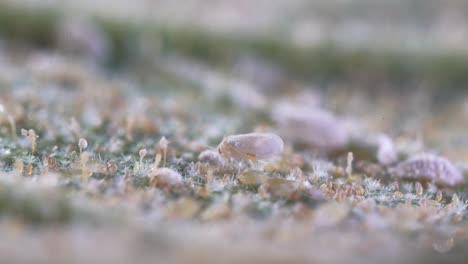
column 430, row 167
column 253, row 146
column 311, row 126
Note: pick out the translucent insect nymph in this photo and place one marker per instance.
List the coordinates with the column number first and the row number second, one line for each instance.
column 253, row 146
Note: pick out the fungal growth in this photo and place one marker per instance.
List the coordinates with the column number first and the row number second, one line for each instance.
column 253, row 146
column 429, row 167
column 31, row 134
column 142, row 154
column 163, row 144
column 82, row 144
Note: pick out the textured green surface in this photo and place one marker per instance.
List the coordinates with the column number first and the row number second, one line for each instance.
column 108, row 203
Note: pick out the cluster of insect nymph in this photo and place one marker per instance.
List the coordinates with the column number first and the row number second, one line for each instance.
column 269, row 146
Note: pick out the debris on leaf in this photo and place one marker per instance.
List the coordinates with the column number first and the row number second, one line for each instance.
column 165, row 176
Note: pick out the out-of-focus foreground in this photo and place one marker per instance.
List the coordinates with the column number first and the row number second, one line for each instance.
column 111, row 113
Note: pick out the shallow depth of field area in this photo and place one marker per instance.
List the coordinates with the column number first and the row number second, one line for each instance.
column 118, row 124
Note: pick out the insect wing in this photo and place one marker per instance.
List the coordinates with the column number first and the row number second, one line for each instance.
column 262, row 146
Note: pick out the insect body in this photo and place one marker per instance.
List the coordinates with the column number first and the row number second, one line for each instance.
column 313, row 127
column 429, row 167
column 253, row 146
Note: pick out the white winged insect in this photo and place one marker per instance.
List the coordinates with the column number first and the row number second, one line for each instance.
column 253, row 146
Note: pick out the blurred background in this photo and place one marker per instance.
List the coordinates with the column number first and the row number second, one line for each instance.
column 379, row 44
column 379, row 60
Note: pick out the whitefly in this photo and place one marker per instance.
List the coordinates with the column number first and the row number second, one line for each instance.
column 313, row 127
column 253, row 146
column 430, row 167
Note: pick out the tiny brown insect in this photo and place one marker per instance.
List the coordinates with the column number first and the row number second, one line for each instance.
column 253, row 146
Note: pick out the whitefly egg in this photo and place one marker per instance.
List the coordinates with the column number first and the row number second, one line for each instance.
column 253, row 146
